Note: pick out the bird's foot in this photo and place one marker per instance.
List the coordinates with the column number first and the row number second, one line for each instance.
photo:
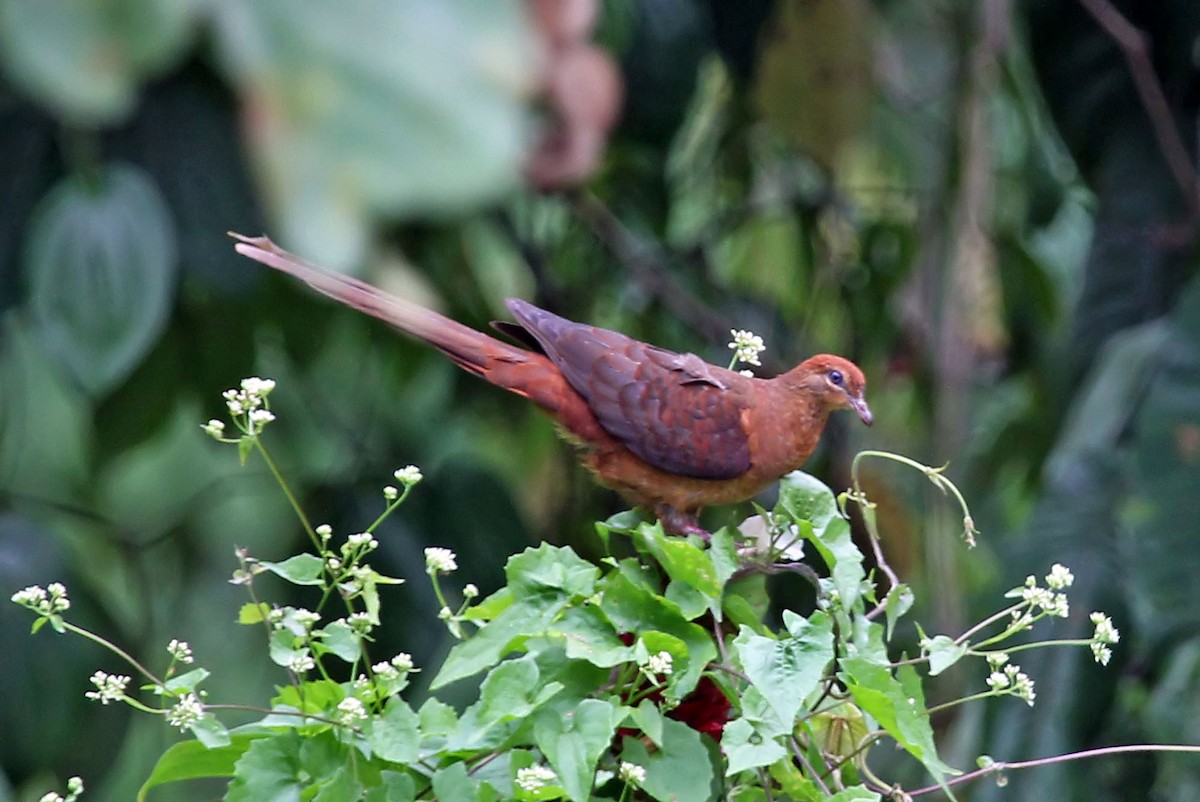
column 681, row 523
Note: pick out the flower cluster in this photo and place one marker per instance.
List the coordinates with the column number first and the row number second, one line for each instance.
column 1042, row 601
column 631, row 773
column 746, row 346
column 1008, row 678
column 660, row 665
column 109, row 687
column 534, row 778
column 1104, row 636
column 74, row 790
column 186, row 712
column 248, row 405
column 440, row 561
column 50, row 600
column 180, row 651
column 351, row 711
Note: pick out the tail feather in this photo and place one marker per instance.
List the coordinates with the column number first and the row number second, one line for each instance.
column 473, row 351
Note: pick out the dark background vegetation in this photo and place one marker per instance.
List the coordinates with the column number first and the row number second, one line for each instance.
column 991, row 206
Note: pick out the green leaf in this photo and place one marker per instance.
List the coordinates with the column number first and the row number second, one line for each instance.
column 311, row 697
column 340, row 639
column 745, row 748
column 101, row 266
column 85, row 60
column 723, row 553
column 943, row 653
column 512, row 690
column 451, row 784
column 649, row 719
column 550, row 568
column 342, row 786
column 855, row 794
column 437, row 717
column 746, row 601
column 395, row 733
column 253, row 613
column 898, row 704
column 422, row 111
column 633, row 608
column 590, row 636
column 812, row 505
column 574, row 742
column 898, row 602
column 269, row 769
column 395, row 787
column 528, row 616
column 786, row 671
column 301, row 569
column 192, row 760
column 683, row 562
column 682, row 770
column 187, row 681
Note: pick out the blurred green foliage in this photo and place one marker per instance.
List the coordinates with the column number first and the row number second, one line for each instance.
column 969, row 199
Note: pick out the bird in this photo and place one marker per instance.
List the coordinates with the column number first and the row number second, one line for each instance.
column 669, row 432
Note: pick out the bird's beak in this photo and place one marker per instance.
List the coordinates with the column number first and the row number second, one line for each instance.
column 859, row 405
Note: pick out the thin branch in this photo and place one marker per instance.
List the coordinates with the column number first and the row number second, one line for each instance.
column 994, row 768
column 1133, row 44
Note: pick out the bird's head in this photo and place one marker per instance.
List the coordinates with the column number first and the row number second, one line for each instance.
column 837, row 382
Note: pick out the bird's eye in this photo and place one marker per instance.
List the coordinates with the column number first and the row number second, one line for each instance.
column 835, row 376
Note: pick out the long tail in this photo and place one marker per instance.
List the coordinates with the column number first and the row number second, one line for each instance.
column 523, row 372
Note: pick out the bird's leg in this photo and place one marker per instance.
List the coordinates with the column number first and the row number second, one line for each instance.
column 680, row 523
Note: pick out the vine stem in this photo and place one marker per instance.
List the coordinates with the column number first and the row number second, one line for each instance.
column 287, row 491
column 998, row 766
column 115, row 649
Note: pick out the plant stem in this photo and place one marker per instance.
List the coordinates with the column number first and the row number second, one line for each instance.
column 117, row 650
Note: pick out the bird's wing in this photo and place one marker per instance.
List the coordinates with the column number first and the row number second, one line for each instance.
column 675, row 411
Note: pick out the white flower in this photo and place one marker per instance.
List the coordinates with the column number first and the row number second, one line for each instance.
column 660, row 664
column 997, row 659
column 31, row 597
column 749, row 374
column 390, row 493
column 351, row 711
column 360, row 623
column 385, row 671
column 997, row 680
column 261, row 417
column 180, row 651
column 324, row 531
column 445, row 614
column 362, row 539
column 109, row 687
column 632, row 772
column 214, row 428
column 1105, row 631
column 535, row 777
column 187, row 711
column 440, row 561
column 305, row 617
column 255, row 386
column 74, row 789
column 58, row 597
column 408, row 475
column 300, row 662
column 1060, row 577
column 470, row 591
column 746, row 346
column 403, row 662
column 1104, row 635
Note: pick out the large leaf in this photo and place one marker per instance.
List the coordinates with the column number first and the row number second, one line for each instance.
column 101, row 267
column 378, row 106
column 84, row 60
